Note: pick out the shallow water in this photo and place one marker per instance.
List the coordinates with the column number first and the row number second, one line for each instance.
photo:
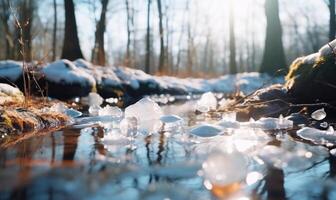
column 83, row 163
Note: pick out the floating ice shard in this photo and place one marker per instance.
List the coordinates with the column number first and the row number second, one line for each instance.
column 273, row 123
column 58, row 107
column 225, row 168
column 144, row 110
column 73, row 113
column 317, row 136
column 110, row 111
column 129, row 126
column 319, row 114
column 207, row 102
column 95, row 99
column 170, row 119
column 94, row 110
column 112, row 100
column 206, row 130
column 324, row 124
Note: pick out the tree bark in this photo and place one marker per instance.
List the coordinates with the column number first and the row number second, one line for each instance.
column 161, row 32
column 274, row 61
column 99, row 50
column 148, row 43
column 71, row 48
column 233, row 63
column 332, row 20
column 128, row 45
column 54, row 31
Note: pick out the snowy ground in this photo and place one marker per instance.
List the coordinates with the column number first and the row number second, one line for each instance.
column 85, row 74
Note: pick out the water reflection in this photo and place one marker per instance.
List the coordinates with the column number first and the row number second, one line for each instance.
column 77, row 163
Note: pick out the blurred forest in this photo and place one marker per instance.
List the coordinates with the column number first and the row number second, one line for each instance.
column 174, row 37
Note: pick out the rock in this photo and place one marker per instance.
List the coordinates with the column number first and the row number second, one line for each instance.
column 64, row 74
column 312, row 78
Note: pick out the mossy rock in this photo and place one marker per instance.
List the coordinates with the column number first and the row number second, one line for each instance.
column 313, row 78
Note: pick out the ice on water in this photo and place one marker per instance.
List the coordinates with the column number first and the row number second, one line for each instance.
column 207, row 102
column 319, row 114
column 110, row 111
column 95, row 99
column 223, row 168
column 206, row 130
column 321, row 137
column 144, row 110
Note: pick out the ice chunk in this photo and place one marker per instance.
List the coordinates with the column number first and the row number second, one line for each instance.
column 207, row 102
column 58, row 107
column 270, row 123
column 170, row 119
column 324, row 124
column 206, row 130
column 94, row 110
column 318, row 136
column 319, row 114
column 73, row 113
column 95, row 99
column 224, row 168
column 112, row 100
column 129, row 126
column 229, row 116
column 144, row 110
column 110, row 111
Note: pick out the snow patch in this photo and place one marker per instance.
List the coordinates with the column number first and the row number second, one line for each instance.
column 10, row 69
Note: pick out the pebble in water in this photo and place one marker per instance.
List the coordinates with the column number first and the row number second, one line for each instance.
column 206, row 130
column 207, row 102
column 319, row 114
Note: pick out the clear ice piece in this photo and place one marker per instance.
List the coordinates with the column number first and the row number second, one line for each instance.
column 94, row 110
column 207, row 102
column 73, row 113
column 129, row 126
column 110, row 111
column 58, row 107
column 144, row 110
column 206, row 130
column 95, row 99
column 319, row 114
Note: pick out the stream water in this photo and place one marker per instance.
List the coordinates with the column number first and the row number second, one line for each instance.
column 85, row 163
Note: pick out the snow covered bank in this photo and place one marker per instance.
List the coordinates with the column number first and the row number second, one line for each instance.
column 80, row 77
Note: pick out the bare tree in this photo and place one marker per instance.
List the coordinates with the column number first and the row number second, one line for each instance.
column 233, row 64
column 161, row 32
column 5, row 16
column 332, row 20
column 71, row 48
column 148, row 43
column 54, row 31
column 98, row 49
column 274, row 57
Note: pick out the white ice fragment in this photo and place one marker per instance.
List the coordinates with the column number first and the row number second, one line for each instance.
column 324, row 124
column 95, row 99
column 228, row 124
column 206, row 130
column 207, row 102
column 112, row 100
column 94, row 110
column 144, row 110
column 317, row 136
column 170, row 119
column 319, row 114
column 58, row 107
column 270, row 123
column 225, row 168
column 253, row 177
column 73, row 113
column 229, row 116
column 333, row 152
column 110, row 111
column 129, row 126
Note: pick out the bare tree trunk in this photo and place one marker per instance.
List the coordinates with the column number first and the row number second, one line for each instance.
column 128, row 51
column 332, row 20
column 233, row 64
column 5, row 16
column 162, row 47
column 99, row 51
column 26, row 21
column 54, row 31
column 274, row 57
column 148, row 43
column 71, row 48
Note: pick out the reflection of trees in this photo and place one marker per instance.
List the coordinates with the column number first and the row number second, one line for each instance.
column 274, row 184
column 70, row 142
